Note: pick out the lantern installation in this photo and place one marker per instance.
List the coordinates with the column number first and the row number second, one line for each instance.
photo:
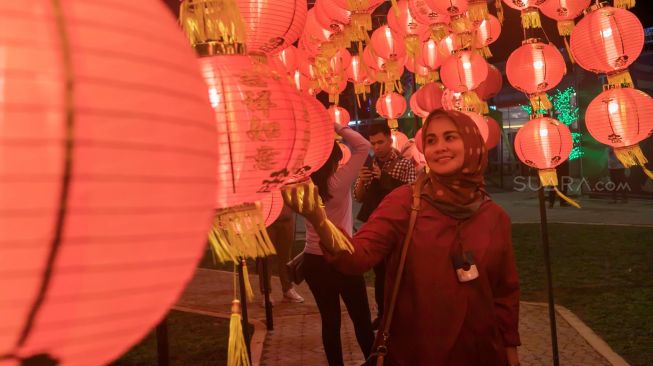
column 391, row 106
column 105, row 200
column 544, row 143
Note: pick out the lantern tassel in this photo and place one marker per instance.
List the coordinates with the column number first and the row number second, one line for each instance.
column 540, row 102
column 249, row 293
column 620, row 79
column 624, row 4
column 485, row 52
column 477, row 11
column 530, row 18
column 413, row 46
column 395, row 7
column 212, row 21
column 438, row 32
column 460, row 24
column 630, row 156
column 549, row 178
column 472, row 101
column 498, row 5
column 237, row 349
column 565, row 27
column 393, row 123
column 568, row 48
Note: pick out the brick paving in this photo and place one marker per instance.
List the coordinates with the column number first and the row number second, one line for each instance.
column 296, row 338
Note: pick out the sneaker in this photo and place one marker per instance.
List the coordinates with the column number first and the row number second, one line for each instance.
column 292, row 296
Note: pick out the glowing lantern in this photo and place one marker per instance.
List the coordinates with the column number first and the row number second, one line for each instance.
column 361, row 20
column 357, row 74
column 272, row 25
column 494, row 133
column 486, row 33
column 530, row 15
column 386, row 44
column 423, row 74
column 544, row 143
column 339, row 115
column 387, row 72
column 454, row 42
column 607, row 40
column 399, row 139
column 437, row 22
column 453, row 101
column 331, row 16
column 321, row 134
column 492, row 85
column 105, row 200
column 415, row 108
column 271, row 207
column 429, row 97
column 304, row 84
column 318, row 40
column 391, row 106
column 431, row 56
column 286, row 60
column 621, row 118
column 534, row 68
column 346, row 154
column 564, row 12
column 463, row 71
column 477, row 11
column 407, row 27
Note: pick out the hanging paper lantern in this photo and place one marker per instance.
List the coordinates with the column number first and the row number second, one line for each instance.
column 399, row 139
column 271, row 207
column 304, row 84
column 486, row 33
column 391, row 106
column 622, row 118
column 429, row 97
column 477, row 11
column 387, row 72
column 285, row 60
column 438, row 22
column 453, row 101
column 564, row 12
column 321, row 135
column 415, row 108
column 361, row 19
column 346, row 154
column 331, row 16
column 492, row 85
column 339, row 115
column 423, row 74
column 544, row 143
column 407, row 27
column 464, row 71
column 319, row 40
column 530, row 15
column 453, row 43
column 386, row 44
column 272, row 25
column 108, row 176
column 494, row 133
column 357, row 74
column 534, row 68
column 608, row 40
column 431, row 57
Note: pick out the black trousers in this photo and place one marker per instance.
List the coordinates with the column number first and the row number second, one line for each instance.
column 327, row 286
column 618, row 177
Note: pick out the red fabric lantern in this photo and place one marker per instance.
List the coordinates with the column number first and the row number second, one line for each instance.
column 415, row 108
column 544, row 143
column 339, row 115
column 272, row 25
column 346, row 154
column 463, row 71
column 608, row 40
column 449, row 7
column 530, row 15
column 423, row 74
column 621, row 118
column 399, row 139
column 492, row 85
column 454, row 42
column 107, row 188
column 321, row 134
column 387, row 45
column 534, row 68
column 494, row 133
column 271, row 207
column 391, row 106
column 429, row 97
column 564, row 11
column 407, row 27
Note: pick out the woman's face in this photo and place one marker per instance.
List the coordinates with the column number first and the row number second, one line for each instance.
column 444, row 149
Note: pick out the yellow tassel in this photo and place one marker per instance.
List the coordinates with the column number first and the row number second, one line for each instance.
column 631, row 156
column 436, row 75
column 477, row 11
column 393, row 123
column 624, row 4
column 472, row 102
column 249, row 293
column 530, row 18
column 485, row 52
column 568, row 48
column 549, row 178
column 460, row 24
column 413, row 45
column 395, row 8
column 216, row 21
column 438, row 32
column 620, row 79
column 565, row 27
column 540, row 102
column 566, row 198
column 499, row 7
column 421, row 79
column 361, row 23
column 237, row 349
column 485, row 109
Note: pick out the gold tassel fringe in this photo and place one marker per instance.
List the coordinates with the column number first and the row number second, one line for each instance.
column 498, row 5
column 239, row 231
column 237, row 349
column 485, row 109
column 472, row 102
column 460, row 24
column 395, row 8
column 393, row 123
column 477, row 11
column 632, row 155
column 485, row 52
column 249, row 293
column 565, row 27
column 205, row 21
column 620, row 79
column 438, row 32
column 413, row 45
column 361, row 23
column 549, row 178
column 530, row 18
column 540, row 101
column 566, row 198
column 624, row 4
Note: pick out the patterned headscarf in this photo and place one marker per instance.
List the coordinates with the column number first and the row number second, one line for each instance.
column 459, row 195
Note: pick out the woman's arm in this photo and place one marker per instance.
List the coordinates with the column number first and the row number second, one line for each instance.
column 360, row 147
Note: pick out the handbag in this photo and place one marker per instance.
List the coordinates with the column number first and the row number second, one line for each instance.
column 380, row 347
column 295, row 269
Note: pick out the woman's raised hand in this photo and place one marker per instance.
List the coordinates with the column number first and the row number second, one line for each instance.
column 305, row 199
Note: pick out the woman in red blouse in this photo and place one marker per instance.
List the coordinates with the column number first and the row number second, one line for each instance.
column 458, row 300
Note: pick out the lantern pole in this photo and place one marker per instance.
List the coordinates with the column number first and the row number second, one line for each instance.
column 243, row 302
column 547, row 263
column 162, row 342
column 269, row 322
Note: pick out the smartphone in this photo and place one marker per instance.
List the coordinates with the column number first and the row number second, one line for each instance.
column 369, row 162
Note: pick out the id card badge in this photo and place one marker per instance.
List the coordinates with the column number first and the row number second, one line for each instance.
column 465, row 267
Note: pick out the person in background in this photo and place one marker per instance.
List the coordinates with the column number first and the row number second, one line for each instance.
column 387, row 171
column 618, row 177
column 409, row 151
column 327, row 284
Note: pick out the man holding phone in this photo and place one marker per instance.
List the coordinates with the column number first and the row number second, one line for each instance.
column 379, row 176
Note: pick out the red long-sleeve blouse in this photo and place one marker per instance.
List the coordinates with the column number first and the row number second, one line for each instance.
column 438, row 320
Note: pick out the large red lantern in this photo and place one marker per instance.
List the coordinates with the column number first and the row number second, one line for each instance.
column 487, row 32
column 331, row 16
column 608, row 40
column 492, row 85
column 463, row 71
column 621, row 118
column 339, row 115
column 305, row 85
column 564, row 12
column 391, row 106
column 272, row 25
column 321, row 134
column 108, row 176
column 429, row 97
column 286, row 60
column 423, row 74
column 415, row 108
column 534, row 68
column 494, row 133
column 544, row 143
column 357, row 74
column 431, row 56
column 387, row 44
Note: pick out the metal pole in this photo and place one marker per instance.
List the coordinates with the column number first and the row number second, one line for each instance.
column 162, row 342
column 243, row 309
column 269, row 323
column 547, row 263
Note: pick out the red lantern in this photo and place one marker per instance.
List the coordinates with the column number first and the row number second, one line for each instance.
column 463, row 71
column 399, row 139
column 407, row 27
column 286, row 60
column 621, row 118
column 492, row 85
column 534, row 68
column 494, row 133
column 304, row 84
column 271, row 207
column 339, row 115
column 415, row 108
column 431, row 57
column 321, row 134
column 429, row 97
column 423, row 74
column 318, row 40
column 346, row 154
column 449, row 7
column 387, row 45
column 391, row 106
column 454, row 42
column 331, row 16
column 486, row 33
column 438, row 22
column 357, row 74
column 272, row 25
column 564, row 11
column 453, row 101
column 530, row 15
column 107, row 187
column 544, row 143
column 608, row 40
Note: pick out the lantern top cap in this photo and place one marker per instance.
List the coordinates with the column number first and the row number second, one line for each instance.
column 597, row 5
column 216, row 48
column 533, row 40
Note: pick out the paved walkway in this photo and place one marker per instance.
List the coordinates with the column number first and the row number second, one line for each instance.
column 296, row 338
